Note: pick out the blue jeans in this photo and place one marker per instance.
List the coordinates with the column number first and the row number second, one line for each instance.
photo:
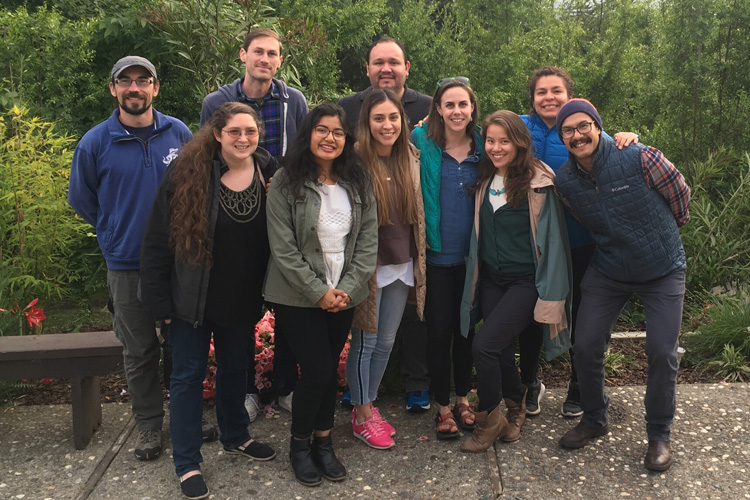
column 190, row 356
column 369, row 352
column 602, row 299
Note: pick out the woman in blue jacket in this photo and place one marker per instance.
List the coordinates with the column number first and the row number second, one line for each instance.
column 203, row 261
column 451, row 149
column 549, row 89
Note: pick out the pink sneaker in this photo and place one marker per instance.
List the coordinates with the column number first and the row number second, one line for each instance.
column 388, row 428
column 372, row 433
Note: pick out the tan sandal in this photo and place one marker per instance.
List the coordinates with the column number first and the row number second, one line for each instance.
column 446, row 426
column 464, row 415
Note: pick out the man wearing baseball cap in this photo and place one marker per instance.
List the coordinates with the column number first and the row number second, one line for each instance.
column 632, row 201
column 116, row 170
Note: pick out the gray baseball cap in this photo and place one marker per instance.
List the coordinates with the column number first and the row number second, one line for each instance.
column 129, row 61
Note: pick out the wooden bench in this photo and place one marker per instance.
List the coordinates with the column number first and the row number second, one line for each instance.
column 81, row 357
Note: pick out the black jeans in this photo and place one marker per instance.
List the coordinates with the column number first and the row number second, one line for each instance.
column 507, row 303
column 442, row 314
column 316, row 338
column 530, row 344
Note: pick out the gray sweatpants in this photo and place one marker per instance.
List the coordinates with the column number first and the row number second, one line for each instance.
column 136, row 329
column 602, row 299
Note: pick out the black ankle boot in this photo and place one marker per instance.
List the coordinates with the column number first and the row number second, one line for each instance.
column 325, row 459
column 303, row 464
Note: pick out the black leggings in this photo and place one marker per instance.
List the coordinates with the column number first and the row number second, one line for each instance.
column 316, row 338
column 442, row 315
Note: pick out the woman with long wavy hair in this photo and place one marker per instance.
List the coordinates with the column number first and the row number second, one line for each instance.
column 322, row 227
column 393, row 163
column 518, row 269
column 203, row 262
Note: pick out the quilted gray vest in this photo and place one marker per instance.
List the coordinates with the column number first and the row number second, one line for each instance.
column 635, row 232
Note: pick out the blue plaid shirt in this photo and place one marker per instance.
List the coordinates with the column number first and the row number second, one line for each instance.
column 269, row 111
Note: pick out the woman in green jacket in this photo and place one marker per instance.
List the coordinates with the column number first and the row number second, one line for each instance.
column 323, row 233
column 518, row 272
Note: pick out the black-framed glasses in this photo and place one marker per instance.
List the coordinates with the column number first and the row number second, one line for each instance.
column 236, row 133
column 582, row 128
column 459, row 79
column 141, row 82
column 322, row 131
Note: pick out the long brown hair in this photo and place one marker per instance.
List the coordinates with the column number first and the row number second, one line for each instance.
column 190, row 182
column 396, row 166
column 521, row 168
column 436, row 127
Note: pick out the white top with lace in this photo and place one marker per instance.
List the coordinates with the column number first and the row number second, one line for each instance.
column 334, row 226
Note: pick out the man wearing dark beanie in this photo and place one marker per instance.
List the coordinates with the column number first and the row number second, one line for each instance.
column 632, row 201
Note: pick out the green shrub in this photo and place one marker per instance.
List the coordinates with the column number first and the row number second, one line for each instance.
column 732, row 366
column 728, row 324
column 42, row 238
column 613, row 362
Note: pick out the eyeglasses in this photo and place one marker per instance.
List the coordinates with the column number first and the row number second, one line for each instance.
column 322, row 131
column 582, row 128
column 459, row 79
column 142, row 82
column 236, row 133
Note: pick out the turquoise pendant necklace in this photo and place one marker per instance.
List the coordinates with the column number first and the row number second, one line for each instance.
column 495, row 192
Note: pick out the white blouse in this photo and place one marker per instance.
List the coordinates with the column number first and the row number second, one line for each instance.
column 334, row 226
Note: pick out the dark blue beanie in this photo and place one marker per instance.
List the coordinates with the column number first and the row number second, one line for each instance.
column 577, row 106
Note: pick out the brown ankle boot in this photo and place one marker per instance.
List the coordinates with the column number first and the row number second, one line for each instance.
column 489, row 426
column 516, row 417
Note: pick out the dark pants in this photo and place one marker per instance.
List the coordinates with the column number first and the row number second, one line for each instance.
column 413, row 335
column 316, row 338
column 190, row 356
column 602, row 299
column 442, row 314
column 530, row 345
column 507, row 303
column 285, row 372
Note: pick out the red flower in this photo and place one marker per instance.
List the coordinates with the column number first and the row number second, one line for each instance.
column 34, row 315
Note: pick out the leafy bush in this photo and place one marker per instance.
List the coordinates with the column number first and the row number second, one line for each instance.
column 716, row 239
column 613, row 362
column 732, row 366
column 41, row 236
column 728, row 324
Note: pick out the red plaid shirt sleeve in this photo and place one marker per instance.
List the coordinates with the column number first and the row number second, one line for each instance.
column 663, row 177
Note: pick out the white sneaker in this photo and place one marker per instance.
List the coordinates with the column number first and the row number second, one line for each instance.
column 252, row 405
column 285, row 402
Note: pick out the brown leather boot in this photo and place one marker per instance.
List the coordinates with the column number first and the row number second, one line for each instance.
column 489, row 426
column 516, row 417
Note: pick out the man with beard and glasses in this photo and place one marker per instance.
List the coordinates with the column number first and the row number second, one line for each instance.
column 633, row 201
column 116, row 170
column 387, row 67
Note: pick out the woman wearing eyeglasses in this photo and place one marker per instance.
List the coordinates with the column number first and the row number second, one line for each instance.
column 549, row 89
column 322, row 228
column 203, row 262
column 451, row 149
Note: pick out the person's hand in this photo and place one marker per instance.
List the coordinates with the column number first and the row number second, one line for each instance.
column 625, row 139
column 420, row 122
column 341, row 303
column 268, row 185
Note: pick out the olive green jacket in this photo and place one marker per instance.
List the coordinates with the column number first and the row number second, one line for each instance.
column 296, row 270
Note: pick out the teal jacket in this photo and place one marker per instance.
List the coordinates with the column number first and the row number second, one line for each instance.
column 554, row 277
column 296, row 270
column 431, row 159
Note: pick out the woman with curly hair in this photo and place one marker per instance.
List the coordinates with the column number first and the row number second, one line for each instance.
column 518, row 272
column 322, row 227
column 203, row 262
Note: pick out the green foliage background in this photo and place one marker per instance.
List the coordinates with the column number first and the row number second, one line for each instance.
column 674, row 71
